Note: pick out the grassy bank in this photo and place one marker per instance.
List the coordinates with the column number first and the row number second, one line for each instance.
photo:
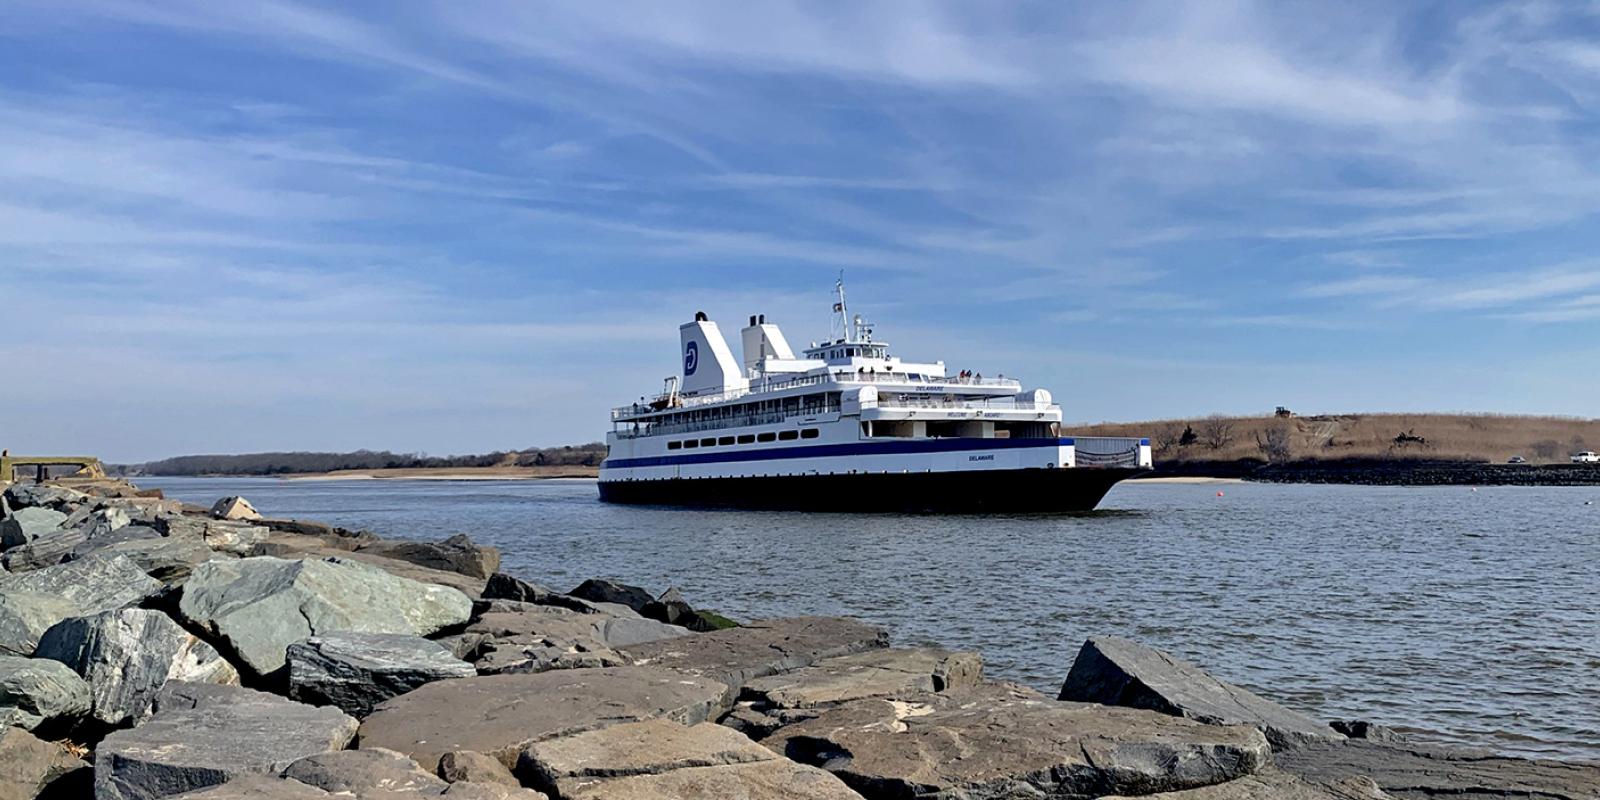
column 1481, row 438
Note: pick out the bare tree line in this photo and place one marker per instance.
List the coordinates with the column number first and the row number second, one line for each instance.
column 589, row 454
column 1215, row 432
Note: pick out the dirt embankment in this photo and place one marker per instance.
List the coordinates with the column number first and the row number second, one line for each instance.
column 1379, row 449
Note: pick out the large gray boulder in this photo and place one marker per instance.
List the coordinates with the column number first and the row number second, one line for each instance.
column 105, row 521
column 535, row 638
column 36, row 495
column 737, row 656
column 295, row 545
column 31, row 602
column 1362, row 729
column 356, row 671
column 1273, row 784
column 501, row 586
column 455, row 554
column 1001, row 741
column 261, row 605
column 256, row 787
column 31, row 767
column 1422, row 772
column 319, row 530
column 874, row 673
column 378, row 774
column 27, row 524
column 601, row 590
column 40, row 694
column 671, row 608
column 166, row 558
column 663, row 760
column 498, row 715
column 127, row 655
column 779, row 779
column 229, row 732
column 1119, row 672
column 126, row 533
column 25, row 616
column 359, row 771
column 97, row 583
column 47, row 550
column 234, row 537
column 467, row 766
column 62, row 543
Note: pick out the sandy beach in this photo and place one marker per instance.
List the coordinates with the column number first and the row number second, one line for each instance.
column 1188, row 479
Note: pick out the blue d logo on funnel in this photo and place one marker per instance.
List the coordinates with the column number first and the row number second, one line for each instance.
column 691, row 358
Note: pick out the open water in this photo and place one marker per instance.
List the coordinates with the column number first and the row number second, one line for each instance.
column 1465, row 616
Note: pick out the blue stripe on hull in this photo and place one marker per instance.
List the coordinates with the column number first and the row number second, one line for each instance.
column 872, row 448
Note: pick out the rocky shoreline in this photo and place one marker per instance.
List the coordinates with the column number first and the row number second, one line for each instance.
column 1386, row 472
column 154, row 649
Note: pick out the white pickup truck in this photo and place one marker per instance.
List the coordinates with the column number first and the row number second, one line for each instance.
column 1586, row 457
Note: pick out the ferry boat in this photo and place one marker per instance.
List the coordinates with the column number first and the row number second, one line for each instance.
column 846, row 426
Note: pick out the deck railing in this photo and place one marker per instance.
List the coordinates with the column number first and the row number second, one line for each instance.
column 834, row 376
column 742, row 420
column 1010, row 403
column 1106, row 451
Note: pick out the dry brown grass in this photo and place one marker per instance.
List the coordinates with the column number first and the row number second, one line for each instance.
column 1476, row 437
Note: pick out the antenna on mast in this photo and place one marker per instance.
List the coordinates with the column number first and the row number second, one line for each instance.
column 841, row 313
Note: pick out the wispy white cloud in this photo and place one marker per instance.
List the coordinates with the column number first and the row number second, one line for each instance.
column 1225, row 56
column 1494, row 293
column 872, row 42
column 1364, row 259
column 1578, row 309
column 1364, row 285
column 1510, row 288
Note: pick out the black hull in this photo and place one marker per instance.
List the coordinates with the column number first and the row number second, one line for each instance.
column 990, row 491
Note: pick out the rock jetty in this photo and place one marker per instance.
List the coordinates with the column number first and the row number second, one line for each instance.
column 152, row 649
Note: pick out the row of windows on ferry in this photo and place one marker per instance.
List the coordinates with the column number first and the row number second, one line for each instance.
column 744, row 438
column 749, row 413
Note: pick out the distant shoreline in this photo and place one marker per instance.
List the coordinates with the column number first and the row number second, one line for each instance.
column 1355, row 471
column 450, row 474
column 420, row 474
column 1380, row 472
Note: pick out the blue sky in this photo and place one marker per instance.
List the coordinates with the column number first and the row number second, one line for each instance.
column 456, row 227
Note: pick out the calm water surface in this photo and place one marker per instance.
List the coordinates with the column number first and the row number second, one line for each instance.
column 1472, row 616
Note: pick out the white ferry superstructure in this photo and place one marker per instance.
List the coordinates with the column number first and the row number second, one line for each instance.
column 846, row 426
